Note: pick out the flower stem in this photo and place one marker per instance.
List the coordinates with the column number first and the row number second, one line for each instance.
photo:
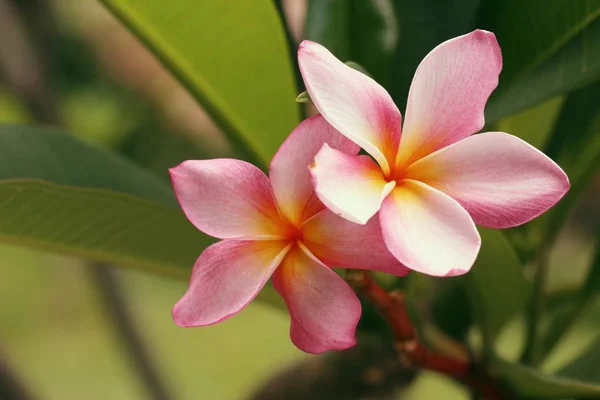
column 410, row 350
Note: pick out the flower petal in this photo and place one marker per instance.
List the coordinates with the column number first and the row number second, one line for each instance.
column 226, row 277
column 499, row 179
column 323, row 308
column 350, row 186
column 289, row 174
column 341, row 243
column 428, row 231
column 227, row 199
column 448, row 94
column 353, row 103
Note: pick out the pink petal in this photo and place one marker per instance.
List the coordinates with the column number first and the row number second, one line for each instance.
column 324, row 309
column 227, row 198
column 353, row 103
column 226, row 277
column 289, row 174
column 498, row 178
column 341, row 243
column 350, row 186
column 448, row 94
column 428, row 231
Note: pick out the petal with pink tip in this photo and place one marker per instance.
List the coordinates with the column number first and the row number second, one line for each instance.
column 226, row 277
column 350, row 186
column 428, row 231
column 323, row 308
column 499, row 179
column 340, row 243
column 289, row 174
column 227, row 199
column 353, row 103
column 448, row 94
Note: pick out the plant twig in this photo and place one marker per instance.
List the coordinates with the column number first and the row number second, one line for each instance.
column 410, row 349
column 122, row 321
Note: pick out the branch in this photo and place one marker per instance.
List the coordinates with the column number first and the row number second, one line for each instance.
column 410, row 349
column 116, row 307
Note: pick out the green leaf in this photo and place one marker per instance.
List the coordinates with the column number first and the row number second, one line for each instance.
column 232, row 58
column 575, row 132
column 548, row 48
column 585, row 368
column 573, row 308
column 365, row 31
column 530, row 383
column 424, row 25
column 497, row 268
column 534, row 125
column 575, row 145
column 60, row 194
column 303, row 97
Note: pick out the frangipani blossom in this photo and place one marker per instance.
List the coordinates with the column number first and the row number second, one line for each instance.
column 277, row 228
column 432, row 181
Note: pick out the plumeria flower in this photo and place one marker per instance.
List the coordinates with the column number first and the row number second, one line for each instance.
column 432, row 181
column 277, row 228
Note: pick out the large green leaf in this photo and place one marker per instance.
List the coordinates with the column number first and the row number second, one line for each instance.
column 549, row 47
column 232, row 58
column 585, row 368
column 575, row 145
column 534, row 125
column 496, row 269
column 530, row 383
column 60, row 194
column 365, row 31
column 63, row 195
column 573, row 142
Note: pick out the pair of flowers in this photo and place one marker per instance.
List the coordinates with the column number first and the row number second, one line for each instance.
column 429, row 184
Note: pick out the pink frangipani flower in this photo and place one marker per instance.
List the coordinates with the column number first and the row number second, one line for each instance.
column 277, row 228
column 432, row 181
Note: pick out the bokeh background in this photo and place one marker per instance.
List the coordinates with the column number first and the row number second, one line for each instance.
column 70, row 62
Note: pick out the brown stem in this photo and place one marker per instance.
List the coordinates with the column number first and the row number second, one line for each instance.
column 410, row 349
